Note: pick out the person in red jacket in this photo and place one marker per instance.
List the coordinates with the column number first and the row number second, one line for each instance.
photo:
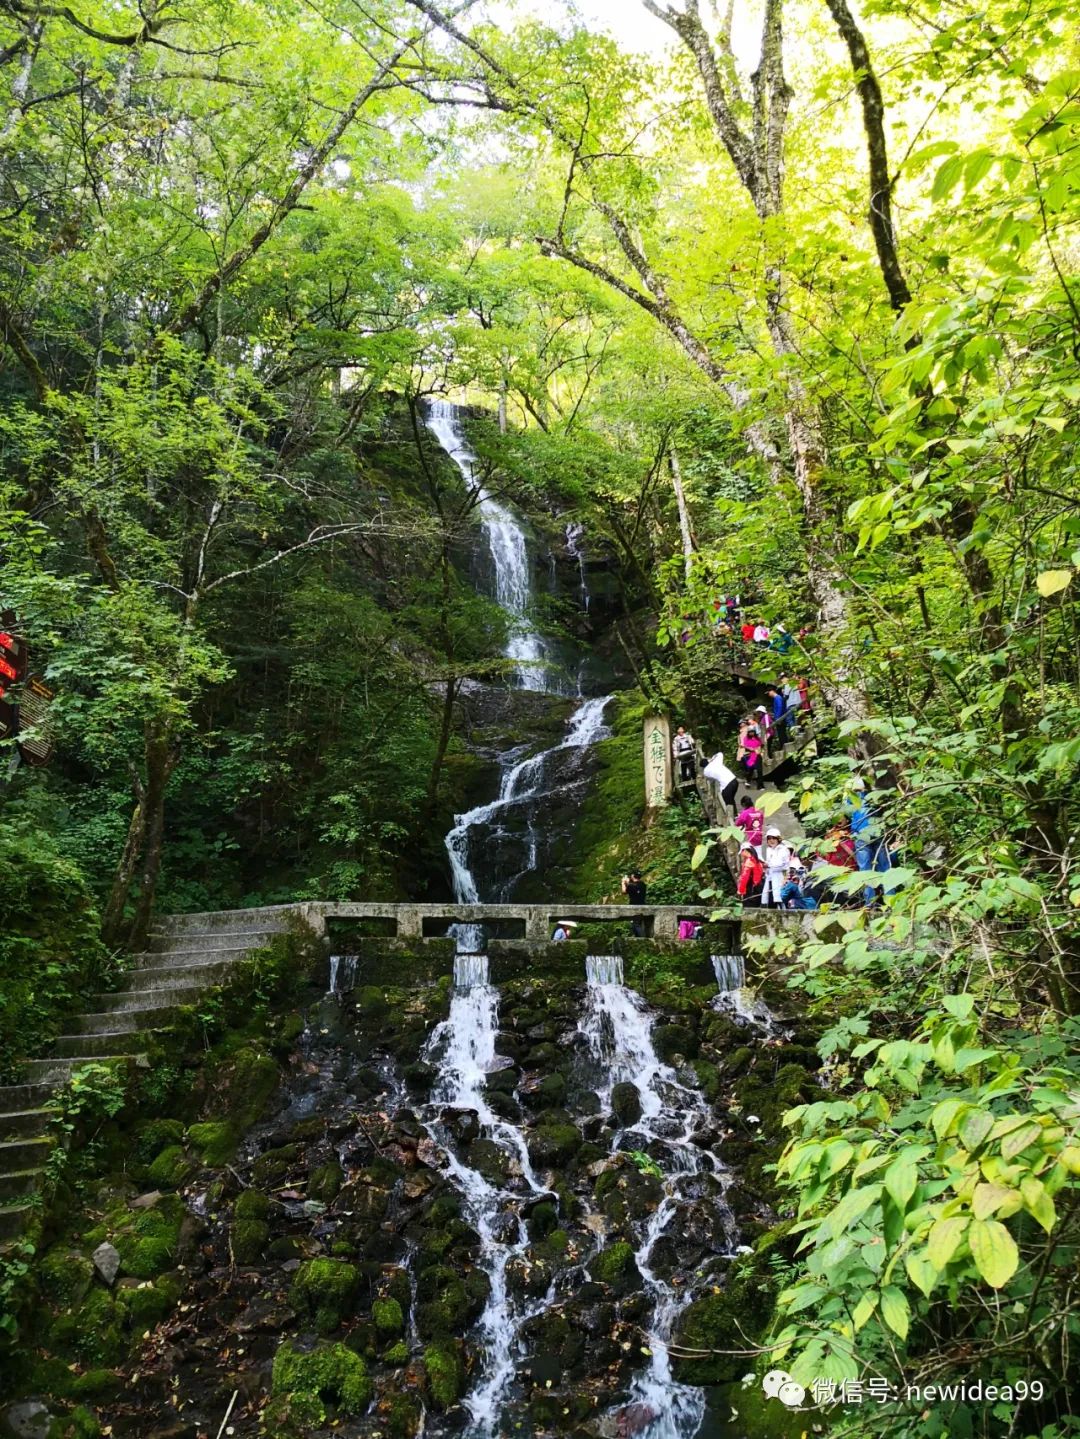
column 751, row 875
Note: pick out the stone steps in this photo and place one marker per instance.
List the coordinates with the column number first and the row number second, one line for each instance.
column 25, row 1122
column 19, row 1183
column 101, row 1044
column 116, row 1022
column 23, row 1154
column 13, row 1220
column 194, row 976
column 210, row 938
column 187, row 954
column 180, row 958
column 167, row 997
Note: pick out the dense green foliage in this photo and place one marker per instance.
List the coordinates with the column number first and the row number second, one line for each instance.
column 220, row 301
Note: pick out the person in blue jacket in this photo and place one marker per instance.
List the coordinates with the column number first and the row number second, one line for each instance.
column 871, row 851
column 778, row 710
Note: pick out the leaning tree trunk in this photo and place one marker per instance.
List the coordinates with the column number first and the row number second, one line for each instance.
column 161, row 757
column 685, row 527
column 113, row 920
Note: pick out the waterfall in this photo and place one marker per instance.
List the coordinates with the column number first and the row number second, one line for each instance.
column 509, row 552
column 574, row 533
column 617, row 1028
column 523, row 783
column 342, row 973
column 463, row 1048
column 730, row 971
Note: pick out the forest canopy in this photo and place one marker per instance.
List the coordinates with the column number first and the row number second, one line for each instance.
column 792, row 299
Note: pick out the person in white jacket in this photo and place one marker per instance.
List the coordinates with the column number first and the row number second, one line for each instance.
column 718, row 772
column 777, row 857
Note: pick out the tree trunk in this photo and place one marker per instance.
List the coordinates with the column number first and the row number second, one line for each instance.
column 113, row 919
column 684, row 514
column 161, row 757
column 449, row 697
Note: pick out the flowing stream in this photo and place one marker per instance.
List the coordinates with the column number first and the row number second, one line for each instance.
column 617, row 1028
column 525, row 783
column 463, row 1048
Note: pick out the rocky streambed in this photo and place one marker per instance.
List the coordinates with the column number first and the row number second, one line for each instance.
column 541, row 1208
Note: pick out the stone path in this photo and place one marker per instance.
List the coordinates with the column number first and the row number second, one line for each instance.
column 188, row 954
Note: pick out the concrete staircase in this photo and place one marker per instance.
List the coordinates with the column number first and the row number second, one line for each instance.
column 187, row 954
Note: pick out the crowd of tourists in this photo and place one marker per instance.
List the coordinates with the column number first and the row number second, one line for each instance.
column 735, row 621
column 763, row 734
column 778, row 872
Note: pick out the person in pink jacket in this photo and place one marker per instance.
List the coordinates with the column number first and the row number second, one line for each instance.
column 751, row 821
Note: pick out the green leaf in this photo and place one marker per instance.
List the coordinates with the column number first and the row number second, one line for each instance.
column 700, row 855
column 958, row 1005
column 1016, row 1142
column 994, row 1251
column 975, row 1127
column 1051, row 581
column 771, row 801
column 895, row 1311
column 900, row 1180
column 1038, row 1203
column 864, row 1310
column 944, row 1238
column 989, row 1198
column 921, row 1272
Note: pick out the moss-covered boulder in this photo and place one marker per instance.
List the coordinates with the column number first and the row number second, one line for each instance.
column 488, row 1159
column 670, row 1040
column 324, row 1290
column 275, row 1163
column 148, row 1303
column 91, row 1332
column 149, row 1240
column 389, row 1319
column 65, row 1276
column 626, row 1103
column 445, row 1304
column 324, row 1183
column 553, row 1144
column 214, row 1141
column 445, row 1374
column 328, row 1377
column 173, row 1167
column 242, row 1085
column 616, row 1267
column 155, row 1135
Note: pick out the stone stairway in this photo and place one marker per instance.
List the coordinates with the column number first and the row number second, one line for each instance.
column 187, row 954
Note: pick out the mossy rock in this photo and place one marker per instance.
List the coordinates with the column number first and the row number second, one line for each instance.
column 248, row 1240
column 252, row 1204
column 401, row 1415
column 324, row 1183
column 389, row 1319
column 155, row 1135
column 553, row 1145
column 91, row 1332
column 275, row 1163
column 445, row 1375
column 328, row 1375
column 173, row 1167
column 214, row 1141
column 445, row 1305
column 626, row 1103
column 65, row 1276
column 242, row 1086
column 397, row 1354
column 150, row 1303
column 325, row 1290
column 732, row 1320
column 616, row 1267
column 672, row 1039
column 489, row 1160
column 542, row 1220
column 81, row 1423
column 149, row 1241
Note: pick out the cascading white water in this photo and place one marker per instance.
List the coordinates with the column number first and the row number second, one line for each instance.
column 730, row 971
column 617, row 1028
column 342, row 973
column 574, row 533
column 522, row 783
column 509, row 551
column 464, row 1049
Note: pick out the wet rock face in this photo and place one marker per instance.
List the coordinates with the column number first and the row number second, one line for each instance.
column 336, row 1272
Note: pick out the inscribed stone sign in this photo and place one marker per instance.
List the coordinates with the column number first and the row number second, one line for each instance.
column 657, row 760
